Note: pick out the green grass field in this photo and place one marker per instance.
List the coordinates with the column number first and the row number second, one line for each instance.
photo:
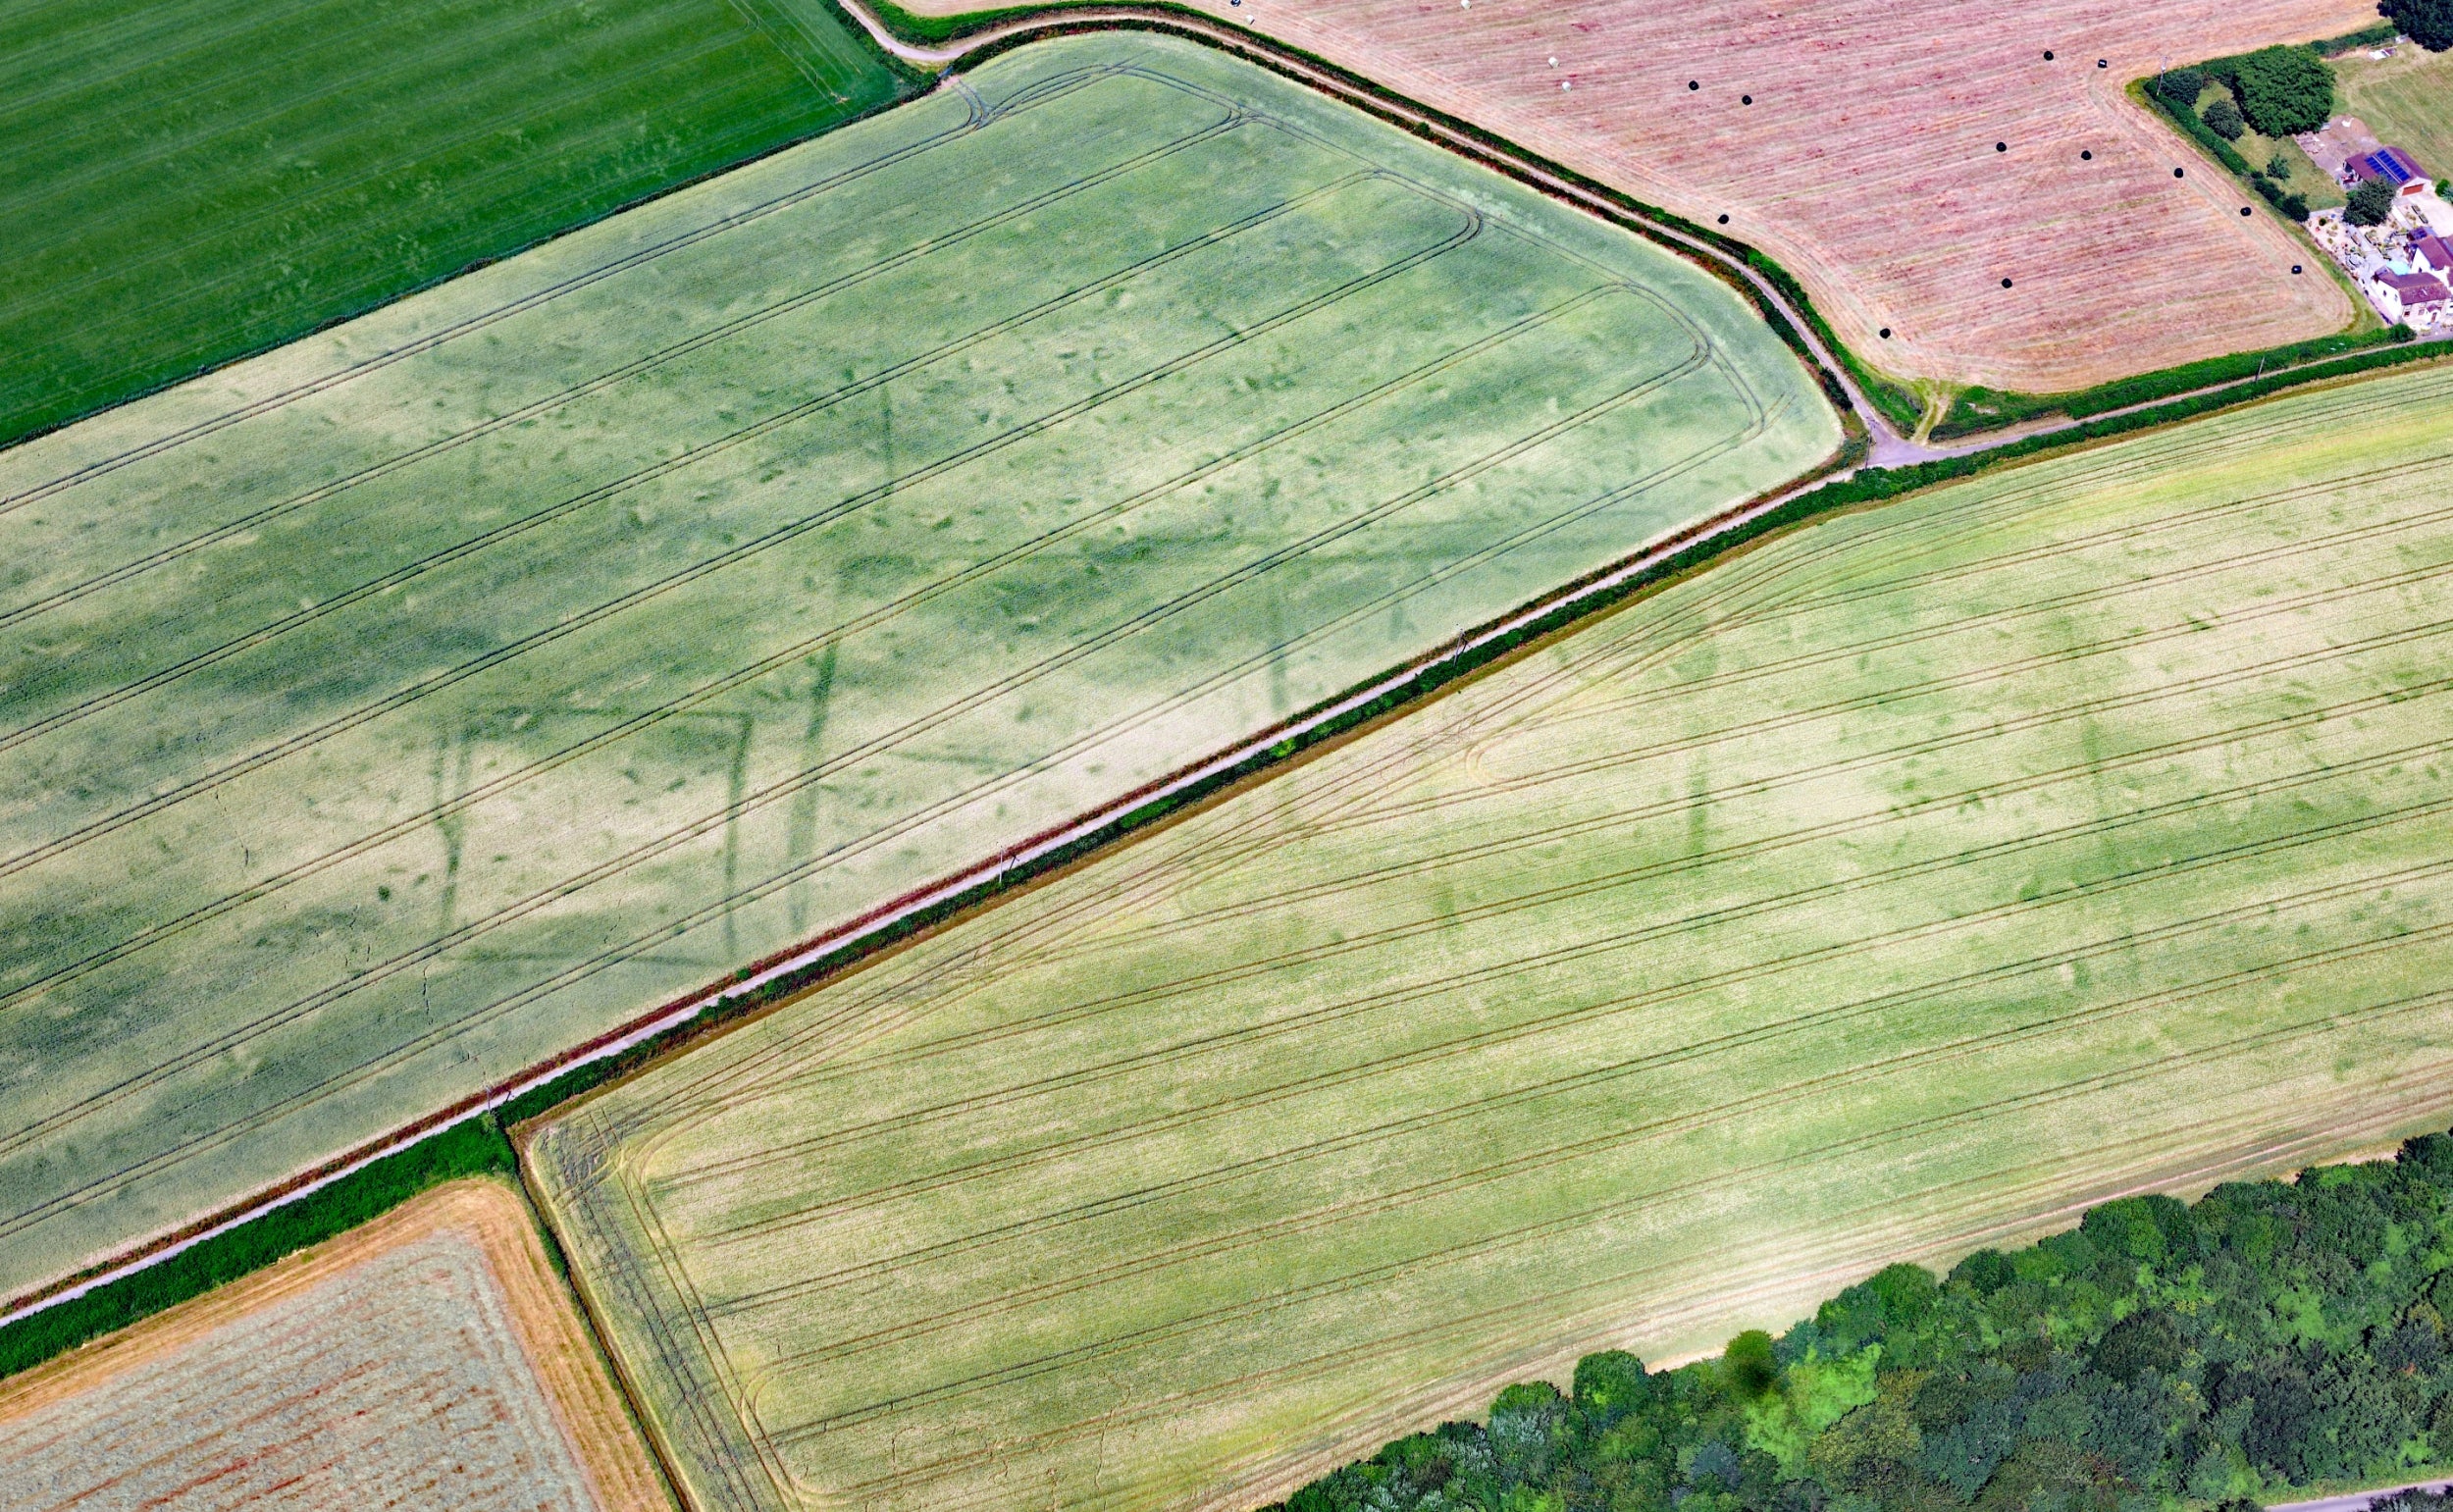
column 2405, row 99
column 1897, row 886
column 381, row 717
column 193, row 182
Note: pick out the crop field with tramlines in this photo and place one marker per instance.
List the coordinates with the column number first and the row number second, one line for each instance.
column 1894, row 888
column 1854, row 140
column 386, row 715
column 190, row 181
column 429, row 1358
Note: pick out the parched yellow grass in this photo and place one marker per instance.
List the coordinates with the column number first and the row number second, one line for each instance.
column 429, row 1358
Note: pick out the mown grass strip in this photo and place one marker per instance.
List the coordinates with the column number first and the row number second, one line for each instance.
column 190, row 184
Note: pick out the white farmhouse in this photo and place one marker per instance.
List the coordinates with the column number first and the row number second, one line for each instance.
column 2415, row 299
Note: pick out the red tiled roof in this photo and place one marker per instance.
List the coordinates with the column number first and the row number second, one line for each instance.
column 2416, row 287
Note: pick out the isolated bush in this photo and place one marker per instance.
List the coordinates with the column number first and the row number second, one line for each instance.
column 2223, row 117
column 1748, row 1365
column 2282, row 90
column 2180, row 87
column 2370, row 203
column 2428, row 23
column 1984, row 1272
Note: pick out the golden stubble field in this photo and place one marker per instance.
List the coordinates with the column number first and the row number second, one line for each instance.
column 1867, row 162
column 427, row 1358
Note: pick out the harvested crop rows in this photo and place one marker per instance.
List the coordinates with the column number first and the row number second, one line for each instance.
column 1865, row 161
column 192, row 181
column 427, row 1358
column 383, row 716
column 1894, row 888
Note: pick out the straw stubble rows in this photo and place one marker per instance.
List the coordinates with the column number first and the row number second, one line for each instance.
column 431, row 1357
column 1891, row 889
column 1853, row 141
column 385, row 716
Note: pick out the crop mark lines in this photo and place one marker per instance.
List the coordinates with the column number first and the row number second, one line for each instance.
column 850, row 757
column 1008, row 953
column 764, row 542
column 1398, row 592
column 577, row 971
column 665, row 467
column 1581, row 952
column 628, row 371
column 630, row 949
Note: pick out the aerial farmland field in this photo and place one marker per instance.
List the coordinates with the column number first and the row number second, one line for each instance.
column 191, row 180
column 1865, row 161
column 1899, row 886
column 382, row 716
column 2406, row 100
column 429, row 1359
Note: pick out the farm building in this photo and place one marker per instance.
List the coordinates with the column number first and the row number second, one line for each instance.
column 2415, row 298
column 2393, row 166
column 2433, row 253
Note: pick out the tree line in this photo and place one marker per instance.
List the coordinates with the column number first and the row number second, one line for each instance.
column 2270, row 1338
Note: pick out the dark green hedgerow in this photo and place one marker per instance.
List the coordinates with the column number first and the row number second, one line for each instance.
column 2377, row 35
column 1984, row 409
column 2273, row 1335
column 474, row 1147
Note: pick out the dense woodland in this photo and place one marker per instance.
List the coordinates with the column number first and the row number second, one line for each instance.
column 2273, row 1335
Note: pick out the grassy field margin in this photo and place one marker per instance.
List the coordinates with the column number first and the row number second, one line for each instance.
column 410, row 240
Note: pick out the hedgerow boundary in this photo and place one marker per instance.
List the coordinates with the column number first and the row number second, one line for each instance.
column 1974, row 412
column 472, row 1147
column 470, row 1138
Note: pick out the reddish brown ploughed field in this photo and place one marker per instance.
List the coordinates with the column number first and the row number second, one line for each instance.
column 1867, row 162
column 427, row 1358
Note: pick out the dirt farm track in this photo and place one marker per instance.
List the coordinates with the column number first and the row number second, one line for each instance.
column 1867, row 162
